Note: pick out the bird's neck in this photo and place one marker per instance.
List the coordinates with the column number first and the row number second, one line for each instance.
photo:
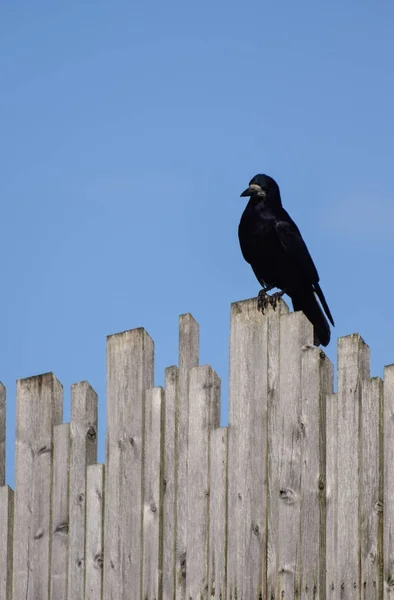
column 266, row 203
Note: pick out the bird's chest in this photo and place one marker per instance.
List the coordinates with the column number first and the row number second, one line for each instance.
column 257, row 236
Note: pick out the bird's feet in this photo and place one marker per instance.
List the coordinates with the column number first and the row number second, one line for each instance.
column 263, row 300
column 274, row 299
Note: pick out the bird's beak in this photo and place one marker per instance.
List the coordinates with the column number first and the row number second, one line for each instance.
column 254, row 188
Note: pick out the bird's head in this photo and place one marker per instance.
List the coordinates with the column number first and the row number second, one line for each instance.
column 262, row 186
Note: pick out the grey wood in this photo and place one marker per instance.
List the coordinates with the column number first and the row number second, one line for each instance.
column 129, row 375
column 316, row 384
column 60, row 501
column 2, row 433
column 83, row 452
column 218, row 514
column 94, row 532
column 39, row 408
column 388, row 493
column 189, row 335
column 6, row 527
column 353, row 369
column 331, row 548
column 204, row 415
column 247, row 450
column 152, row 563
column 247, row 416
column 371, row 489
column 295, row 332
column 273, row 461
column 169, row 514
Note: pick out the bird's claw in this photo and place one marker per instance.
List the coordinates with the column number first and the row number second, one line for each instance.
column 264, row 300
column 274, row 299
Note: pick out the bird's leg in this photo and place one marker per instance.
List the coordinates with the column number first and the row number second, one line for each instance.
column 263, row 299
column 274, row 298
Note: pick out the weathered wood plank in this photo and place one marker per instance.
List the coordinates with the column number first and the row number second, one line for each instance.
column 6, row 527
column 169, row 513
column 370, row 490
column 332, row 591
column 129, row 375
column 218, row 514
column 189, row 336
column 2, row 433
column 39, row 408
column 247, row 450
column 60, row 500
column 316, row 384
column 83, row 452
column 273, row 424
column 204, row 415
column 295, row 332
column 152, row 564
column 353, row 369
column 94, row 532
column 388, row 492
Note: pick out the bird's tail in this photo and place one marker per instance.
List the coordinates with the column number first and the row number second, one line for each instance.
column 322, row 299
column 307, row 302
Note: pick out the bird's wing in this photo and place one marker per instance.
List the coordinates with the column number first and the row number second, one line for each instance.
column 291, row 239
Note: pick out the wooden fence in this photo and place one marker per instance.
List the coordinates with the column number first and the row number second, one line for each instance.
column 294, row 500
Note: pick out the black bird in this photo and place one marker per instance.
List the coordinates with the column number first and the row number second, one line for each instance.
column 272, row 244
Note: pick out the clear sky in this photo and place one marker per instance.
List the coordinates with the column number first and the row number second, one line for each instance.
column 129, row 129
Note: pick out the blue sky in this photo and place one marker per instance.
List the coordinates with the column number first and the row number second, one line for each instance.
column 128, row 131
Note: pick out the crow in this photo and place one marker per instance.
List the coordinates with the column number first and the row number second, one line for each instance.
column 272, row 244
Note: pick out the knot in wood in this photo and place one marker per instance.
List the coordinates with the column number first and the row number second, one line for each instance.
column 182, row 563
column 99, row 560
column 255, row 529
column 91, row 434
column 287, row 495
column 81, row 498
column 153, row 507
column 378, row 506
column 62, row 528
